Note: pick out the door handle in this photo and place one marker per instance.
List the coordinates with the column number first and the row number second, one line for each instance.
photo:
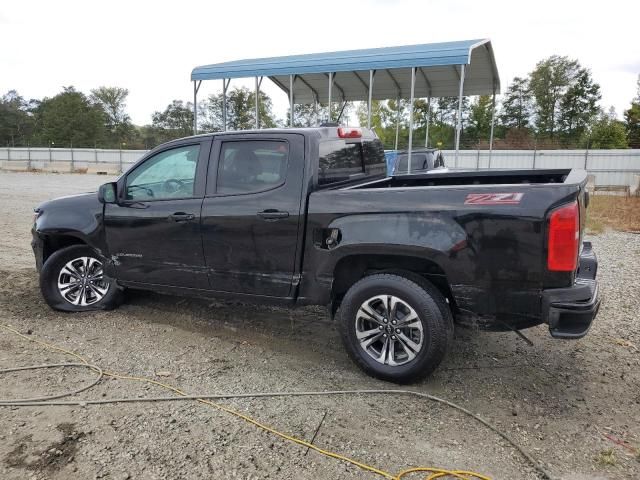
column 273, row 214
column 181, row 217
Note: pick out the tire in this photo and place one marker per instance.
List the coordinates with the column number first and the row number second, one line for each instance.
column 65, row 268
column 444, row 307
column 422, row 317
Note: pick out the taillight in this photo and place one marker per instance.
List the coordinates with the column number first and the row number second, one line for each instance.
column 564, row 238
column 346, row 132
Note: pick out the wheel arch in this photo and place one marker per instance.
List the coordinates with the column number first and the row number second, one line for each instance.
column 53, row 243
column 349, row 269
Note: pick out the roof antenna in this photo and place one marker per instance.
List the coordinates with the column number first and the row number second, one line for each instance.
column 344, row 104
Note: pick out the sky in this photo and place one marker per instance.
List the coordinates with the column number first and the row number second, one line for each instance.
column 150, row 47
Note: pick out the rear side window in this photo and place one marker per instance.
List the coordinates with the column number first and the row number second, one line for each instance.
column 252, row 166
column 341, row 161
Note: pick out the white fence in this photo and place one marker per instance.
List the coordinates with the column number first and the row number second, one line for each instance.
column 610, row 167
column 68, row 159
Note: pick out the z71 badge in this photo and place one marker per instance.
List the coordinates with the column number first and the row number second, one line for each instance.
column 493, row 198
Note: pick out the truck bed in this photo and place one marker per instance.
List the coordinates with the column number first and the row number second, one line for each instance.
column 483, row 231
column 471, row 177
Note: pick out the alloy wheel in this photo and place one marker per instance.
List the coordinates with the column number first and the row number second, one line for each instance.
column 81, row 281
column 389, row 330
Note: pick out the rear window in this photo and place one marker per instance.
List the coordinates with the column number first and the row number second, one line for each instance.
column 341, row 161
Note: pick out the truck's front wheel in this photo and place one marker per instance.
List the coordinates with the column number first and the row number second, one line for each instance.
column 395, row 328
column 72, row 279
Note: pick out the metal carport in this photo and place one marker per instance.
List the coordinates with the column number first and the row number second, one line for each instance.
column 430, row 70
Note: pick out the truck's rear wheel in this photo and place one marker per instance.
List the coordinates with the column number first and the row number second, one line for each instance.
column 72, row 280
column 394, row 328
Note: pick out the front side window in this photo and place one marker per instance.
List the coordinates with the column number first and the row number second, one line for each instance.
column 169, row 174
column 252, row 166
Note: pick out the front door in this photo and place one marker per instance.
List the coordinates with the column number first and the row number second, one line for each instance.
column 153, row 232
column 251, row 214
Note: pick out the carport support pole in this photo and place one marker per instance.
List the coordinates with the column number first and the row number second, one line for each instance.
column 291, row 101
column 413, row 88
column 196, row 87
column 330, row 87
column 195, row 108
column 257, row 112
column 426, row 134
column 493, row 116
column 459, row 119
column 225, row 85
column 369, row 103
column 397, row 120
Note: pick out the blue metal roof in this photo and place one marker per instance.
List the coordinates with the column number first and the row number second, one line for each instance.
column 438, row 74
column 426, row 55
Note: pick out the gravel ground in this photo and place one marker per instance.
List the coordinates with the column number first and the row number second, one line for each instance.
column 559, row 400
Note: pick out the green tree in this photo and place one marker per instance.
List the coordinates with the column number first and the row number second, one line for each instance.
column 304, row 115
column 479, row 125
column 395, row 117
column 311, row 115
column 446, row 110
column 118, row 123
column 380, row 115
column 241, row 113
column 608, row 132
column 16, row 119
column 444, row 119
column 517, row 105
column 632, row 120
column 549, row 82
column 578, row 107
column 70, row 118
column 175, row 121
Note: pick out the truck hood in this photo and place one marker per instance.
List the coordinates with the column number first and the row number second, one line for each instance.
column 84, row 201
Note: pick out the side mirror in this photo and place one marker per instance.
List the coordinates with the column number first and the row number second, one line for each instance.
column 107, row 193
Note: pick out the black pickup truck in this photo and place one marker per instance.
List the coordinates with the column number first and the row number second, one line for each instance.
column 309, row 217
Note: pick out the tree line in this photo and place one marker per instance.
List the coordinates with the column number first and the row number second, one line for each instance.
column 554, row 106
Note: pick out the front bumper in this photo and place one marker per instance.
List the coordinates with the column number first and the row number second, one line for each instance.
column 38, row 248
column 570, row 311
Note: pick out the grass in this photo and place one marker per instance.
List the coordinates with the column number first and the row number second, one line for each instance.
column 617, row 213
column 606, row 458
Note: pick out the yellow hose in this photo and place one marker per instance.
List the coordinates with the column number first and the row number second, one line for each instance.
column 434, row 472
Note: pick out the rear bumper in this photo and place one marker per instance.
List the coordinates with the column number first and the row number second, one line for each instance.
column 570, row 311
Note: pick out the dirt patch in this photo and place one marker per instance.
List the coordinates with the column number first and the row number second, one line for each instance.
column 50, row 459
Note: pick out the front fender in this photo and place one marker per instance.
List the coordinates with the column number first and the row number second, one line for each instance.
column 77, row 217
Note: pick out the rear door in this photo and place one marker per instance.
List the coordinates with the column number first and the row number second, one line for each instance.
column 251, row 213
